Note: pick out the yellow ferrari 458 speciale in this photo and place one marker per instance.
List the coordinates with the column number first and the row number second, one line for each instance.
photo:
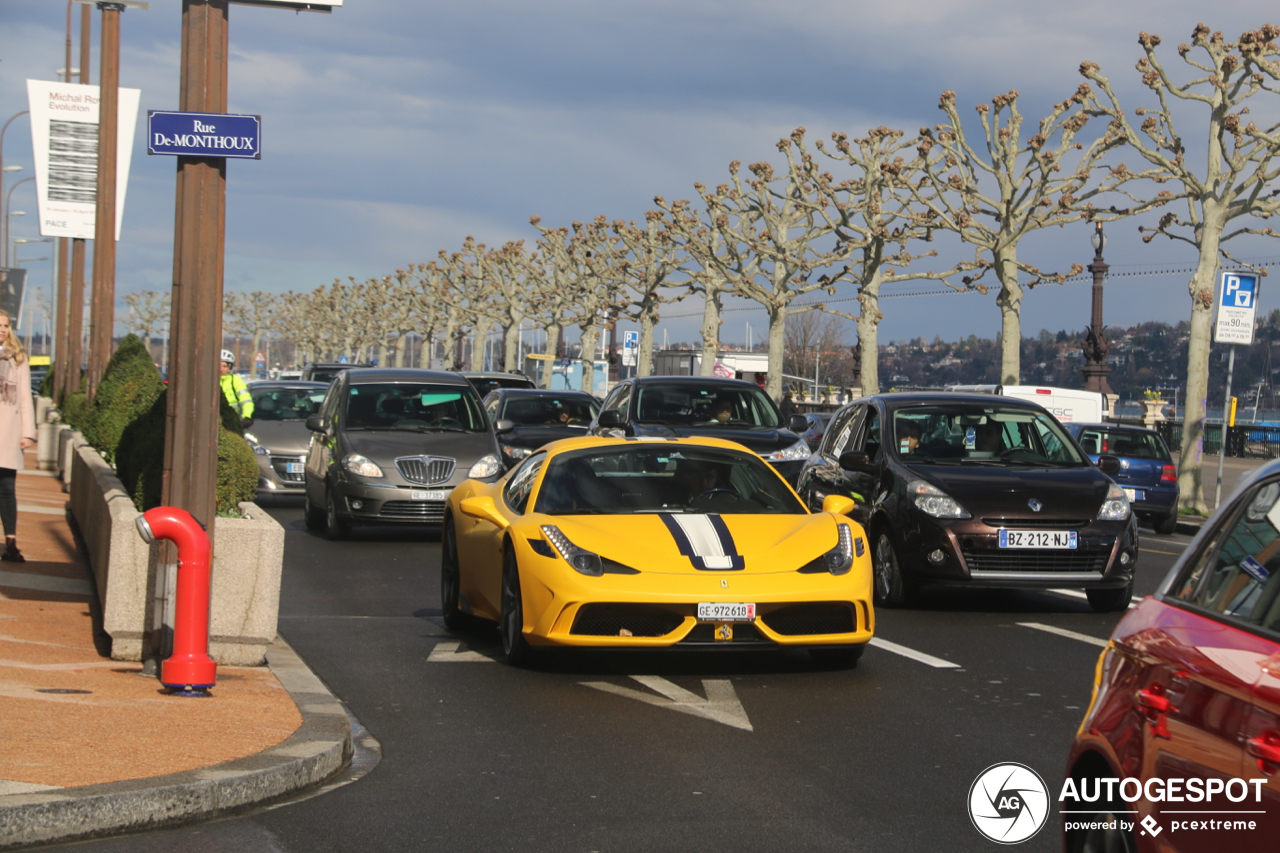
column 654, row 543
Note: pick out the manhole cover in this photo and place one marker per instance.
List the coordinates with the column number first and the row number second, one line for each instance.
column 61, row 690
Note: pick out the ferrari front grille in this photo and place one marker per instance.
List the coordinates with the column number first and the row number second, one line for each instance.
column 610, row 620
column 807, row 619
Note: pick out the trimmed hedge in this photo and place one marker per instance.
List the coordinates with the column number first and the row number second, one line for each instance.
column 140, row 460
column 130, row 384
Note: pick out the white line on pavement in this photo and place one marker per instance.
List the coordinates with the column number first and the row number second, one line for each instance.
column 939, row 663
column 1063, row 632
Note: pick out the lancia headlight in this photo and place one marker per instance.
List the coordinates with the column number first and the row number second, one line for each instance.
column 1116, row 506
column 931, row 500
column 584, row 562
column 515, row 454
column 361, row 466
column 486, row 466
column 798, row 451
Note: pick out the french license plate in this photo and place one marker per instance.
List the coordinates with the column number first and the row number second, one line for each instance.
column 719, row 611
column 1038, row 539
column 293, row 468
column 1135, row 494
column 419, row 495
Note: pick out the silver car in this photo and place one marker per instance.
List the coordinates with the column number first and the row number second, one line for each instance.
column 279, row 435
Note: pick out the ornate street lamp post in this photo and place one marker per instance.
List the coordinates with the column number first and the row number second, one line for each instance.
column 1095, row 342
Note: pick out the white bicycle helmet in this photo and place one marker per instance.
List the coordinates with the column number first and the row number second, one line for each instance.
column 228, row 356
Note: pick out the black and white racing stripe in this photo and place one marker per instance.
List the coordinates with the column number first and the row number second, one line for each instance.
column 705, row 540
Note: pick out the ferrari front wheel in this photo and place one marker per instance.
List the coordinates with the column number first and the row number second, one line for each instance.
column 511, row 621
column 450, row 579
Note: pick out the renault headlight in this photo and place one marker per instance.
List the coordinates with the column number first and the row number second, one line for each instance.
column 515, row 454
column 1116, row 506
column 931, row 500
column 798, row 451
column 361, row 466
column 584, row 562
column 486, row 466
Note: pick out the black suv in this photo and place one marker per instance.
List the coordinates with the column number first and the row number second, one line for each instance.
column 324, row 371
column 679, row 406
column 976, row 490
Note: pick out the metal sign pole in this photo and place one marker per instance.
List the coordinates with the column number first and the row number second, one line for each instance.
column 1222, row 444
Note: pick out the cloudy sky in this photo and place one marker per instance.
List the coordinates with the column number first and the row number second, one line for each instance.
column 394, row 128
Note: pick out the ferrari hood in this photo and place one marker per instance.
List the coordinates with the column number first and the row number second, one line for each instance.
column 683, row 543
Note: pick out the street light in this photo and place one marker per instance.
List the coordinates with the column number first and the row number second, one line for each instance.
column 9, row 206
column 1095, row 343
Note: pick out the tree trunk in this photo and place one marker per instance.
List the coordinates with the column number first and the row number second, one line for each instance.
column 479, row 346
column 549, row 363
column 402, row 340
column 1190, row 479
column 590, row 339
column 1010, row 302
column 777, row 348
column 710, row 329
column 644, row 354
column 428, row 348
column 869, row 334
column 511, row 346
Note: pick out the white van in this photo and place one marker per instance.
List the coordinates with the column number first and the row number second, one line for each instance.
column 1065, row 404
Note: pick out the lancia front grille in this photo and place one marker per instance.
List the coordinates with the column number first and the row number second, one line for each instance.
column 426, row 470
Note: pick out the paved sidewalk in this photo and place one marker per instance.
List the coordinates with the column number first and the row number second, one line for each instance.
column 91, row 746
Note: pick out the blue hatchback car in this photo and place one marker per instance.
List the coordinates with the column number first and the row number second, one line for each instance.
column 1147, row 473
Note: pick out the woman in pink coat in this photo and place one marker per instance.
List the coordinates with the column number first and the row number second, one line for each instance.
column 17, row 430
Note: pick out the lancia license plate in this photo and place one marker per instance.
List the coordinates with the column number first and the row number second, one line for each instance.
column 1038, row 539
column 1135, row 494
column 293, row 468
column 719, row 611
column 419, row 495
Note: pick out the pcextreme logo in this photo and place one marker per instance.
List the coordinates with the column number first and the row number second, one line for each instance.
column 1008, row 803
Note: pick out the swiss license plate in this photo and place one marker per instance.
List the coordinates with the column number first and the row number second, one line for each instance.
column 720, row 611
column 419, row 495
column 1135, row 494
column 1038, row 539
column 293, row 468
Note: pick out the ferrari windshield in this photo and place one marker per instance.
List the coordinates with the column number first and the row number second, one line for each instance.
column 414, row 406
column 981, row 434
column 705, row 404
column 663, row 477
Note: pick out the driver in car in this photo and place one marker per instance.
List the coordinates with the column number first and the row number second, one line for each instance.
column 722, row 412
column 695, row 477
column 908, row 436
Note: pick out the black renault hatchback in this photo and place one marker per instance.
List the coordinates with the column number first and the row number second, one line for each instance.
column 974, row 490
column 679, row 406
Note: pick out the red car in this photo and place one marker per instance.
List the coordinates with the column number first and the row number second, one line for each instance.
column 1180, row 747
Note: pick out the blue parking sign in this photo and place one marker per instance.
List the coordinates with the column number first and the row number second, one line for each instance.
column 1237, row 301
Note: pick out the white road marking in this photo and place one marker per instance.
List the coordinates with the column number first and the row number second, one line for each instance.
column 448, row 653
column 939, row 663
column 1063, row 632
column 720, row 706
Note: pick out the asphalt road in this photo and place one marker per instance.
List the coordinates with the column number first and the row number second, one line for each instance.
column 650, row 752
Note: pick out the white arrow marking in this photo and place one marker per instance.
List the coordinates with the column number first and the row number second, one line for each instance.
column 720, row 706
column 448, row 653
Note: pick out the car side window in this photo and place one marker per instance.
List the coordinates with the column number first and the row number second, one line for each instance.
column 618, row 400
column 518, row 488
column 840, row 431
column 330, row 409
column 1237, row 574
column 869, row 436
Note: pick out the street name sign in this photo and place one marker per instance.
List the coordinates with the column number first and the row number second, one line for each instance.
column 1237, row 302
column 204, row 134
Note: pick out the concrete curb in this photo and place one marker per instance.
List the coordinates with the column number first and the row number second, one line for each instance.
column 319, row 748
column 1190, row 525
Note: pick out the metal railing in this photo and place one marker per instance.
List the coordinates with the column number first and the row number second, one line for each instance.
column 1255, row 441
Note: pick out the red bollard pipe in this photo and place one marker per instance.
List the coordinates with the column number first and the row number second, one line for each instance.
column 189, row 670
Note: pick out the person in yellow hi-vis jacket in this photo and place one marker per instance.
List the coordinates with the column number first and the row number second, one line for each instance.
column 235, row 389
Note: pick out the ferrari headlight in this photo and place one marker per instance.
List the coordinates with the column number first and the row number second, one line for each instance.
column 486, row 466
column 584, row 562
column 840, row 558
column 931, row 500
column 1116, row 506
column 798, row 451
column 515, row 454
column 361, row 466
